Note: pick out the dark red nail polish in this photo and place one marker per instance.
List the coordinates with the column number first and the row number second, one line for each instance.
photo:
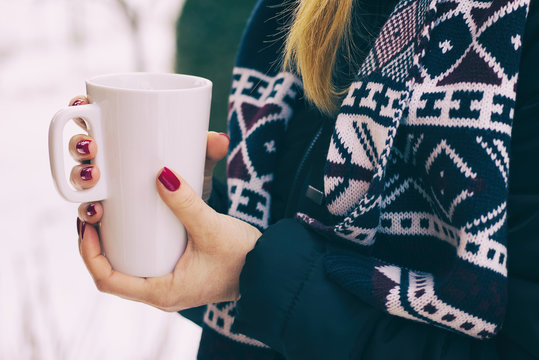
column 77, row 102
column 83, row 147
column 169, row 180
column 224, row 134
column 82, row 228
column 90, row 210
column 78, row 226
column 86, row 173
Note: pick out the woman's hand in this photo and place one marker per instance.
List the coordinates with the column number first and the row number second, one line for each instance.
column 207, row 272
column 217, row 244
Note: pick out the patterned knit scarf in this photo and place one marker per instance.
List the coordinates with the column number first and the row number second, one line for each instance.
column 417, row 169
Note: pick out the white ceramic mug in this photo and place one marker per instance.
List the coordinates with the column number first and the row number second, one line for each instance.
column 140, row 122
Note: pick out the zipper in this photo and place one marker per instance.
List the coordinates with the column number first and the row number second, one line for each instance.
column 295, row 189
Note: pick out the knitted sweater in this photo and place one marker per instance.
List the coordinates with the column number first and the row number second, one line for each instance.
column 416, row 174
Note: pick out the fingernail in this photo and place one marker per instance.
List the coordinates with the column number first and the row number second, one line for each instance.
column 78, row 227
column 226, row 135
column 86, row 173
column 83, row 147
column 169, row 180
column 77, row 102
column 82, row 228
column 90, row 210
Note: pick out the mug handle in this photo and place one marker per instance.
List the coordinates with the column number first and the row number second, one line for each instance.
column 92, row 115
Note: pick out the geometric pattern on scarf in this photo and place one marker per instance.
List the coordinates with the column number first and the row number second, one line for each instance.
column 419, row 163
column 417, row 168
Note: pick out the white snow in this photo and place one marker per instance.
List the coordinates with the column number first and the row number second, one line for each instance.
column 49, row 307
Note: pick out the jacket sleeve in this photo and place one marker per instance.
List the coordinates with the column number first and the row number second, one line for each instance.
column 219, row 202
column 288, row 302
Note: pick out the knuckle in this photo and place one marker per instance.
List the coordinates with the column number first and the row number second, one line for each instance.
column 101, row 285
column 187, row 201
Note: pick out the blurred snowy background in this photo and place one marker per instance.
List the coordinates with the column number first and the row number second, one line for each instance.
column 49, row 307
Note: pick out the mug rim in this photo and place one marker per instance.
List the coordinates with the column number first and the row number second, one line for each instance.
column 94, row 82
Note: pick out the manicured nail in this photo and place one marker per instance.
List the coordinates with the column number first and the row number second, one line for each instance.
column 226, row 135
column 78, row 226
column 86, row 173
column 90, row 210
column 82, row 228
column 169, row 180
column 77, row 102
column 83, row 147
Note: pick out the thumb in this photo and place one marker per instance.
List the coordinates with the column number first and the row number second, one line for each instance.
column 184, row 202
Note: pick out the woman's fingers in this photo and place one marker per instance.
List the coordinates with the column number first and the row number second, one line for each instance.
column 216, row 149
column 84, row 176
column 79, row 100
column 105, row 278
column 91, row 212
column 82, row 147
